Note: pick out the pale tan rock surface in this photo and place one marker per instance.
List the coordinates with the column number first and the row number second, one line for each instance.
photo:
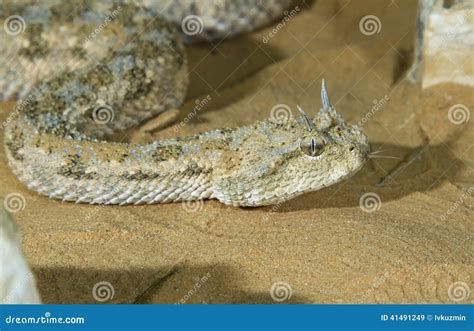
column 17, row 282
column 445, row 43
column 417, row 247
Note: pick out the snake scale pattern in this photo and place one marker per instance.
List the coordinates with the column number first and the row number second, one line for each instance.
column 133, row 69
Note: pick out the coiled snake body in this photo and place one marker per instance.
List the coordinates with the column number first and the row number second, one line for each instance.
column 132, row 68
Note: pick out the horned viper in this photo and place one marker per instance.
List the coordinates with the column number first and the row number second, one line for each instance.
column 135, row 68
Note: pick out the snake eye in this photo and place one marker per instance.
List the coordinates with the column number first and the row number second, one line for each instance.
column 312, row 146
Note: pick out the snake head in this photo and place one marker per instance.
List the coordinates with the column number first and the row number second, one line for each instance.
column 330, row 149
column 278, row 161
column 328, row 137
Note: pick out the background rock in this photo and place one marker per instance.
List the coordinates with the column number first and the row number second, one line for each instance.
column 17, row 282
column 445, row 43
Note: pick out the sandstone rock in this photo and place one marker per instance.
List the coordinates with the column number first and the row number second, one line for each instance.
column 17, row 283
column 445, row 43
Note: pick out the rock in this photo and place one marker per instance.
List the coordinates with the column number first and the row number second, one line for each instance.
column 17, row 282
column 445, row 43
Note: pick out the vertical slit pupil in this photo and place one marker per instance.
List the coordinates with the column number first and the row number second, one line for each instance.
column 313, row 146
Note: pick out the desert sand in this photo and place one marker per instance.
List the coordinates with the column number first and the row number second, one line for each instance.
column 414, row 246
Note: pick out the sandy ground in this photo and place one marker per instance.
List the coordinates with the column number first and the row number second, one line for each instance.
column 416, row 247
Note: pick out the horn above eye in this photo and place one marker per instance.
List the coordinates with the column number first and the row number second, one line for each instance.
column 324, row 96
column 306, row 119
